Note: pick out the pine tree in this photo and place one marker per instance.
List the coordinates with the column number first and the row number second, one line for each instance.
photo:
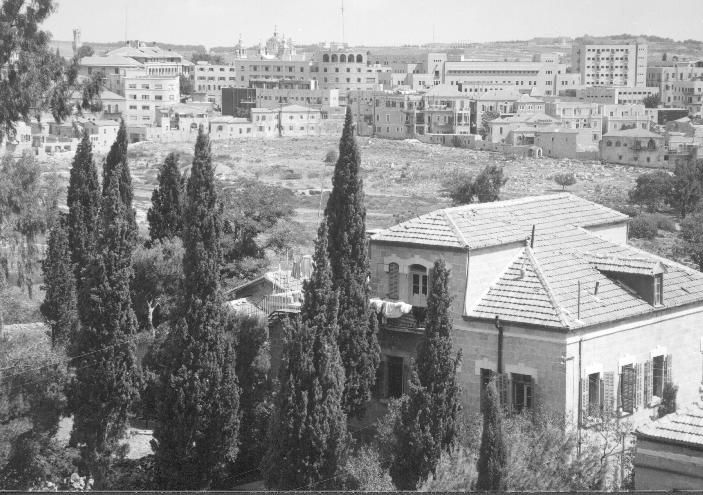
column 308, row 433
column 428, row 421
column 198, row 408
column 59, row 306
column 165, row 216
column 106, row 373
column 83, row 202
column 346, row 218
column 116, row 160
column 493, row 453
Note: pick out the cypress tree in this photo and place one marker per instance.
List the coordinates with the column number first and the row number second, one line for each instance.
column 165, row 216
column 106, row 381
column 116, row 161
column 346, row 218
column 308, row 433
column 198, row 407
column 59, row 306
column 83, row 202
column 492, row 456
column 428, row 420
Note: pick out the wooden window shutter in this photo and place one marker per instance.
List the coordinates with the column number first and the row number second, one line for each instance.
column 668, row 377
column 608, row 391
column 639, row 371
column 627, row 388
column 647, row 383
column 584, row 398
column 504, row 391
column 406, row 376
column 393, row 281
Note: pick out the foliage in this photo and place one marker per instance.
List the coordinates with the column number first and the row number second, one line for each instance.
column 83, row 201
column 363, row 472
column 692, row 237
column 488, row 183
column 486, row 117
column 195, row 438
column 652, row 101
column 642, row 227
column 565, row 179
column 428, row 419
column 256, row 396
column 668, row 403
column 461, row 189
column 331, row 157
column 455, row 472
column 345, row 215
column 493, row 454
column 132, row 475
column 652, row 189
column 106, row 374
column 254, row 214
column 165, row 216
column 59, row 306
column 308, row 437
column 207, row 57
column 84, row 51
column 36, row 79
column 158, row 281
column 186, row 85
column 687, row 186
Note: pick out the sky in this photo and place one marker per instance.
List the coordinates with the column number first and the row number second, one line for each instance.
column 370, row 22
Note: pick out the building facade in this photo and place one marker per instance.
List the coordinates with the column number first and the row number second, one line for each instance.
column 610, row 64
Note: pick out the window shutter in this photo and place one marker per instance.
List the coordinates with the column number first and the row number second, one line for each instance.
column 647, row 383
column 628, row 389
column 668, row 377
column 393, row 269
column 639, row 384
column 504, row 390
column 406, row 376
column 584, row 398
column 608, row 391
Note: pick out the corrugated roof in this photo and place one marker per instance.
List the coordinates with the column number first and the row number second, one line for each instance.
column 684, row 427
column 490, row 224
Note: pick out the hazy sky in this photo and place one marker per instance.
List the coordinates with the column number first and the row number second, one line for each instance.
column 371, row 22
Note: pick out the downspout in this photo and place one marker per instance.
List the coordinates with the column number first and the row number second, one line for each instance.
column 580, row 401
column 500, row 345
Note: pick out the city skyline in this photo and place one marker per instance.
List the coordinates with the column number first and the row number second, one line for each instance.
column 388, row 23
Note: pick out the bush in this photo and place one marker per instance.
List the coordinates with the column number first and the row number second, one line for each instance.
column 456, row 472
column 628, row 210
column 663, row 222
column 291, row 174
column 643, row 227
column 363, row 472
column 331, row 157
column 565, row 179
column 668, row 403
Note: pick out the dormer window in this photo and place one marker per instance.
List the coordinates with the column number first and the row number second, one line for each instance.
column 640, row 276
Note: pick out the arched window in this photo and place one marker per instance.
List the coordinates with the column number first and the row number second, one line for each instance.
column 350, row 58
column 418, row 285
column 334, row 57
column 617, row 144
column 393, row 275
column 325, row 58
column 342, row 58
column 359, row 59
column 610, row 143
column 650, row 145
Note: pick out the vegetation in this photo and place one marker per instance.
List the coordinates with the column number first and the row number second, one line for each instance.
column 668, row 403
column 687, row 186
column 186, row 85
column 652, row 101
column 427, row 424
column 652, row 190
column 463, row 189
column 345, row 215
column 165, row 216
column 196, row 436
column 692, row 237
column 643, row 227
column 493, row 454
column 308, row 435
column 565, row 179
column 486, row 117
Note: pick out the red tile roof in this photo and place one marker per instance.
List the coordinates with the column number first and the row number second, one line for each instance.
column 684, row 427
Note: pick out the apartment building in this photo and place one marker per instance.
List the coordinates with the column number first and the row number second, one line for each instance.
column 535, row 78
column 612, row 95
column 344, row 70
column 577, row 115
column 685, row 94
column 145, row 95
column 113, row 69
column 635, row 147
column 210, row 79
column 663, row 77
column 316, row 98
column 610, row 64
column 620, row 117
column 397, row 115
column 155, row 60
column 447, row 111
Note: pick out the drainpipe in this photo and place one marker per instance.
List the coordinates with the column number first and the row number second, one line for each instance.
column 580, row 401
column 499, row 326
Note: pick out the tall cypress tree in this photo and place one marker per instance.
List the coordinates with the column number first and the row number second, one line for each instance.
column 346, row 218
column 493, row 455
column 198, row 408
column 308, row 433
column 59, row 306
column 428, row 421
column 106, row 374
column 83, row 202
column 165, row 216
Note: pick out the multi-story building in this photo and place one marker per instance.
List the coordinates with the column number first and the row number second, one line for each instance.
column 636, row 147
column 113, row 69
column 577, row 115
column 395, row 115
column 210, row 79
column 145, row 95
column 685, row 94
column 155, row 60
column 519, row 129
column 610, row 64
column 664, row 77
column 619, row 117
column 344, row 70
column 447, row 111
column 612, row 95
column 536, row 78
column 316, row 98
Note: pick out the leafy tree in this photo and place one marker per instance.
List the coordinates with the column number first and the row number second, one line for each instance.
column 668, row 403
column 488, row 183
column 461, row 190
column 157, row 283
column 186, row 85
column 165, row 216
column 331, row 156
column 252, row 212
column 59, row 306
column 428, row 419
column 195, row 438
column 687, row 186
column 565, row 179
column 345, row 214
column 207, row 57
column 652, row 101
column 83, row 200
column 84, row 51
column 652, row 189
column 492, row 457
column 27, row 206
column 486, row 117
column 34, row 78
column 308, row 432
column 692, row 236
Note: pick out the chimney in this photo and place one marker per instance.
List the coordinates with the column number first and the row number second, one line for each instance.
column 595, row 291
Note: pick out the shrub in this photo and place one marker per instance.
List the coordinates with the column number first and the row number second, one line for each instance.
column 331, row 157
column 628, row 210
column 668, row 403
column 291, row 174
column 642, row 227
column 652, row 190
column 363, row 472
column 663, row 222
column 565, row 179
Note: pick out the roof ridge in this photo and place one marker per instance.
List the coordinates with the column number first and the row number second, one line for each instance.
column 509, row 202
column 543, row 280
column 456, row 230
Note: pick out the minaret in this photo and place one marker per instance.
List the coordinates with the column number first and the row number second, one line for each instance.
column 76, row 39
